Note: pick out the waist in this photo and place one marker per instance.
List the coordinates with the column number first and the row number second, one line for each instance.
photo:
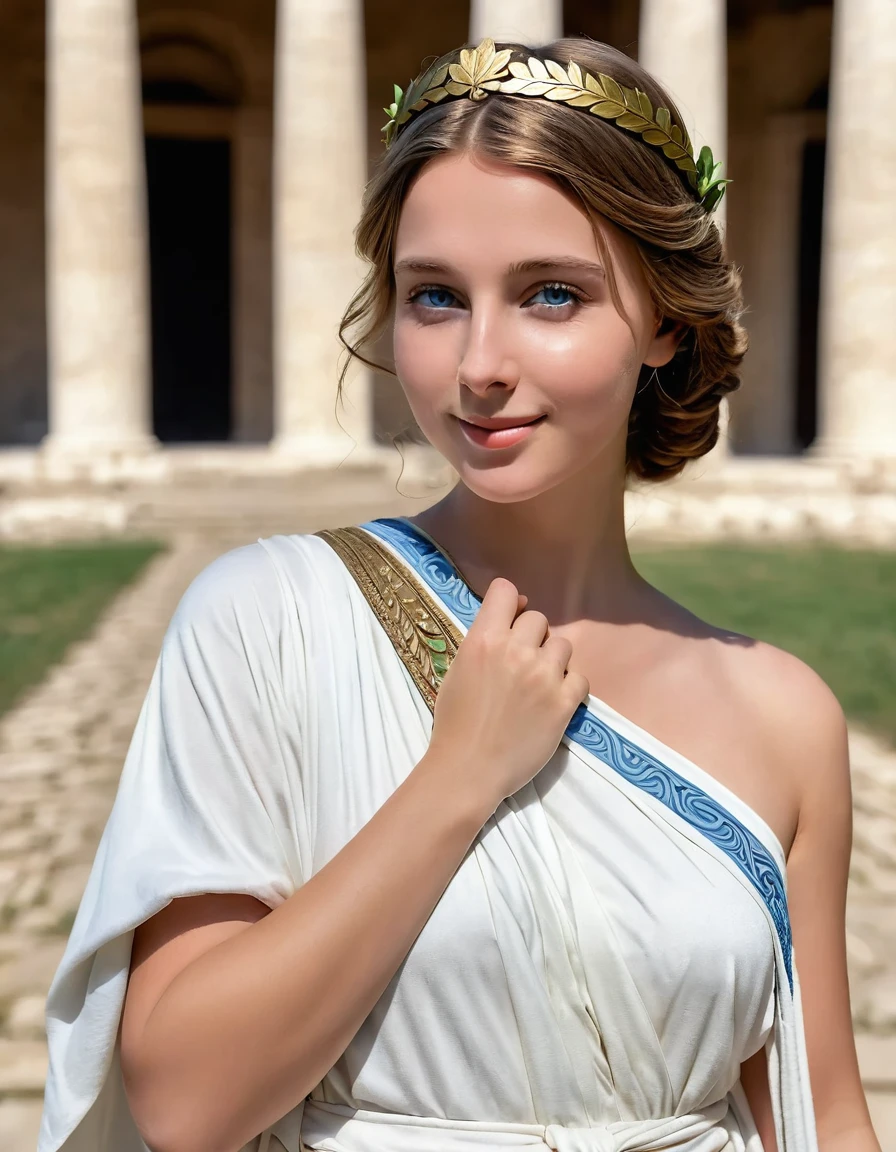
column 337, row 1128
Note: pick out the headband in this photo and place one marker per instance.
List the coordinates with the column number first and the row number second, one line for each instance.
column 475, row 72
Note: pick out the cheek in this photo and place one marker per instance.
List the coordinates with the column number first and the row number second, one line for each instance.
column 426, row 360
column 588, row 371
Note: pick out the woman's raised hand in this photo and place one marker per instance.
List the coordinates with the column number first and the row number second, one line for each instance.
column 507, row 698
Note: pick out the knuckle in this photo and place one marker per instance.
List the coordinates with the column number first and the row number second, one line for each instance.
column 519, row 657
column 479, row 648
column 561, row 645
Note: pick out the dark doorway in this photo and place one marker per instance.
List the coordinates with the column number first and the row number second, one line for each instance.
column 188, row 183
column 811, row 211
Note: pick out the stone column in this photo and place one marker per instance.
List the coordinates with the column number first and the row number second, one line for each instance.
column 97, row 250
column 857, row 344
column 319, row 172
column 533, row 22
column 764, row 410
column 684, row 43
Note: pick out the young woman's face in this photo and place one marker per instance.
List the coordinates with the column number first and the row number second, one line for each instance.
column 504, row 318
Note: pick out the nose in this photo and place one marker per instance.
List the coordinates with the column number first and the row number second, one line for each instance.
column 486, row 360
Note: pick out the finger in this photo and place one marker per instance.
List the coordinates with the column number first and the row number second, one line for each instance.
column 531, row 628
column 578, row 688
column 558, row 650
column 500, row 605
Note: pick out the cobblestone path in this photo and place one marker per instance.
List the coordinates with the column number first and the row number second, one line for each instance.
column 61, row 752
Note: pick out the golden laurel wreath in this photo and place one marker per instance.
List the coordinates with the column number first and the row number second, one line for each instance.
column 481, row 70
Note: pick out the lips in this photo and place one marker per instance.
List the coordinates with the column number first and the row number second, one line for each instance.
column 501, row 432
column 496, row 423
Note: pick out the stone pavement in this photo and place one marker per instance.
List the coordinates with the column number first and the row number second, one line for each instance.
column 871, row 927
column 61, row 752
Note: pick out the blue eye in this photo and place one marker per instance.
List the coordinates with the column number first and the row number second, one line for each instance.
column 555, row 295
column 437, row 298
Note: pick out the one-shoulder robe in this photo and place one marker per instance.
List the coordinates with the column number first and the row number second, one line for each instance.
column 611, row 949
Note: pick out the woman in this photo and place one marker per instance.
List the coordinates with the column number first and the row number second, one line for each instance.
column 321, row 912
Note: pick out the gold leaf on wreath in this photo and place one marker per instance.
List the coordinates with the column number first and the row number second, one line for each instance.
column 606, row 109
column 654, row 136
column 634, row 121
column 556, row 71
column 457, row 87
column 538, row 69
column 564, row 93
column 477, row 66
column 641, row 103
column 612, row 89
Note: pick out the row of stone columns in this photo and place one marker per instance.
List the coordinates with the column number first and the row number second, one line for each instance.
column 97, row 227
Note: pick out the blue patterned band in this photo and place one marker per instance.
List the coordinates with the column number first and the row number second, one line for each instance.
column 676, row 792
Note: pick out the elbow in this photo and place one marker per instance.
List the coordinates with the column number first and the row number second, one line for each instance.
column 163, row 1133
column 173, row 1117
column 161, row 1130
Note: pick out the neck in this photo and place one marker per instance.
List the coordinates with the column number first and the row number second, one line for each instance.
column 565, row 549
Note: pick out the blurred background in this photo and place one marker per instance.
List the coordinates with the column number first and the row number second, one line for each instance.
column 179, row 184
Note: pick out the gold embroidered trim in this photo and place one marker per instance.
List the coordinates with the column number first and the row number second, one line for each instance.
column 423, row 636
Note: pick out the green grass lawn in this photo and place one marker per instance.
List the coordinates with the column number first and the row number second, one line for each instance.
column 835, row 609
column 50, row 596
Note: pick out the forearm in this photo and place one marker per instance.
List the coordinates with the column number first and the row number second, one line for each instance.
column 244, row 1032
column 859, row 1139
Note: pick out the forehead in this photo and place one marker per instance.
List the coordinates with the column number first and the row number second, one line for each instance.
column 465, row 208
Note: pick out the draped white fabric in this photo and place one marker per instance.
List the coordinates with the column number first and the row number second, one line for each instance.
column 593, row 976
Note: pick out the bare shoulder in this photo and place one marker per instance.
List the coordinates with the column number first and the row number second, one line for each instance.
column 789, row 725
column 794, row 699
column 794, row 713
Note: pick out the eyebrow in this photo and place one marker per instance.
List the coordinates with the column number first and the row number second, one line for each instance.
column 543, row 264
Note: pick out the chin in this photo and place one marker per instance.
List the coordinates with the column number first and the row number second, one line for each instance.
column 507, row 485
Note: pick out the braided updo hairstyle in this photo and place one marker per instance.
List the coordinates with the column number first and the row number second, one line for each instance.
column 615, row 175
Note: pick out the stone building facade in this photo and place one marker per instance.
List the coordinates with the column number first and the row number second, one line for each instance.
column 181, row 179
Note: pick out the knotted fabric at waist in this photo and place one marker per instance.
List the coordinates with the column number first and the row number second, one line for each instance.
column 336, row 1128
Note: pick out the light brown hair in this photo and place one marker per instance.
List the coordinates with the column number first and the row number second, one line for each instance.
column 615, row 175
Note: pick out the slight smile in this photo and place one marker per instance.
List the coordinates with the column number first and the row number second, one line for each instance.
column 499, row 433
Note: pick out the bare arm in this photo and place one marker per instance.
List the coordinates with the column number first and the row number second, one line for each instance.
column 807, row 733
column 817, row 870
column 235, row 1012
column 807, row 736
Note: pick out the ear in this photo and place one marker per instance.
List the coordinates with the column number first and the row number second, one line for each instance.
column 666, row 338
